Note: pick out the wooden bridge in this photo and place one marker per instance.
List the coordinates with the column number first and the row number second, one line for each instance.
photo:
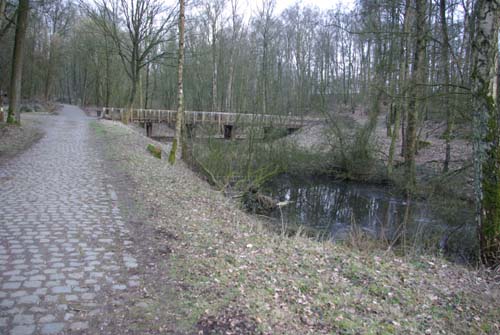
column 224, row 120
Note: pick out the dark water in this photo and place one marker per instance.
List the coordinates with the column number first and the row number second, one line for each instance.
column 338, row 209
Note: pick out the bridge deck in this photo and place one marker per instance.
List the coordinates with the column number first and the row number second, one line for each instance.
column 220, row 118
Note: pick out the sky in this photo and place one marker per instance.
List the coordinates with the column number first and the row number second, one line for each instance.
column 249, row 7
column 321, row 4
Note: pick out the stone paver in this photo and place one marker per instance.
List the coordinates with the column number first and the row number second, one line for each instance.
column 60, row 232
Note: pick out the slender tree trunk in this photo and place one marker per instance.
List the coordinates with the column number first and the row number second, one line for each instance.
column 146, row 93
column 229, row 91
column 14, row 115
column 68, row 90
column 486, row 129
column 445, row 67
column 403, row 74
column 108, row 72
column 264, row 76
column 179, row 124
column 134, row 80
column 50, row 68
column 214, row 65
column 97, row 87
column 417, row 92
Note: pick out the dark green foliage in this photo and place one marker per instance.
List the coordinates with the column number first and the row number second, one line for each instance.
column 154, row 150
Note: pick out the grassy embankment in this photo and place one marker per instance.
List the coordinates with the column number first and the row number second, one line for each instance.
column 227, row 273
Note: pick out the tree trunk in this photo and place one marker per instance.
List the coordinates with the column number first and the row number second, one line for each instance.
column 486, row 130
column 179, row 124
column 264, row 76
column 14, row 115
column 146, row 93
column 417, row 92
column 229, row 91
column 214, row 64
column 50, row 67
column 403, row 74
column 445, row 67
column 108, row 72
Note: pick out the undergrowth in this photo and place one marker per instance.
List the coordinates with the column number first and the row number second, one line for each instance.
column 227, row 270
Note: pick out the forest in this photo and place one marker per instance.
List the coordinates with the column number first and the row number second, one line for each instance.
column 412, row 65
column 249, row 167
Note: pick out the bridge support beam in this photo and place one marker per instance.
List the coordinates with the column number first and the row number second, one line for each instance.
column 290, row 131
column 149, row 129
column 228, row 131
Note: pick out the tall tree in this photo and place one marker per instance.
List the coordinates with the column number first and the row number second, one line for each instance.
column 417, row 92
column 14, row 115
column 179, row 123
column 445, row 68
column 402, row 86
column 265, row 16
column 486, row 129
column 58, row 16
column 235, row 32
column 214, row 9
column 137, row 28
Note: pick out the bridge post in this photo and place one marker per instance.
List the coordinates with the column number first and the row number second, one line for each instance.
column 149, row 129
column 290, row 131
column 228, row 131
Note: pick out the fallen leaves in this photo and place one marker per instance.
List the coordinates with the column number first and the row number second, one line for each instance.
column 233, row 276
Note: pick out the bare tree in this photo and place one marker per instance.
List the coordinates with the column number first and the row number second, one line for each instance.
column 445, row 67
column 486, row 129
column 417, row 92
column 58, row 16
column 236, row 23
column 179, row 122
column 403, row 75
column 265, row 17
column 213, row 10
column 137, row 28
column 14, row 114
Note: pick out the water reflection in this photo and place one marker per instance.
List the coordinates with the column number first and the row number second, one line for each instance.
column 336, row 207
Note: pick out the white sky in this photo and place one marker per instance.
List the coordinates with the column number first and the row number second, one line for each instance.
column 321, row 4
column 249, row 7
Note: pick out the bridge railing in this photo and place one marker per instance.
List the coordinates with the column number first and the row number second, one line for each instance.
column 202, row 117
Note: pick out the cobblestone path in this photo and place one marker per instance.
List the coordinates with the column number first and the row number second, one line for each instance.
column 63, row 241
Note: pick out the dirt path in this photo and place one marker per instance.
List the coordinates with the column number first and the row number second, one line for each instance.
column 63, row 240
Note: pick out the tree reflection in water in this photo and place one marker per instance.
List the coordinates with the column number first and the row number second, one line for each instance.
column 335, row 207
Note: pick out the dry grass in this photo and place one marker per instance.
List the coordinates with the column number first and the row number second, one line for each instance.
column 228, row 274
column 15, row 139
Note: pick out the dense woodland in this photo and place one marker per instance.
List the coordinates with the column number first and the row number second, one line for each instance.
column 408, row 60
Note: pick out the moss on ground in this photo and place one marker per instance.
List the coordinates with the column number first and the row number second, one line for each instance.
column 154, row 150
